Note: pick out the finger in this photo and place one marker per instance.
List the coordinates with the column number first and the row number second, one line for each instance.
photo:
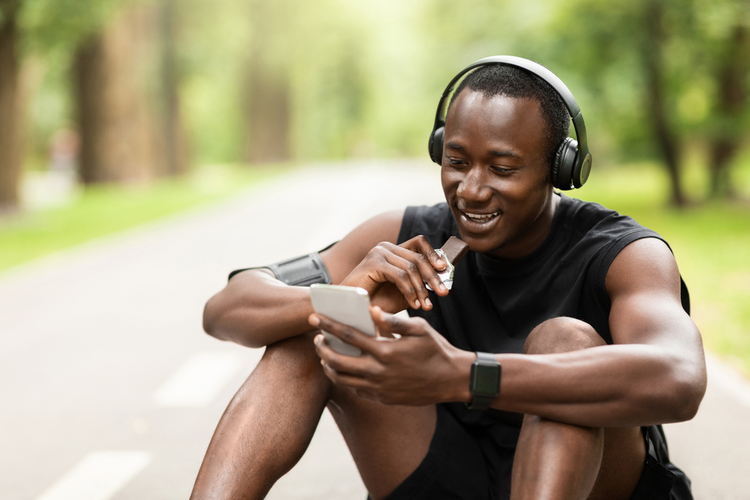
column 346, row 380
column 429, row 264
column 346, row 333
column 400, row 325
column 421, row 245
column 409, row 272
column 403, row 270
column 428, row 270
column 376, row 313
column 357, row 366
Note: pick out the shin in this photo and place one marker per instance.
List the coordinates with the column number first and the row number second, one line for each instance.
column 268, row 424
column 556, row 460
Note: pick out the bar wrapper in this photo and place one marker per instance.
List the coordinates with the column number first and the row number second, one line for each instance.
column 446, row 276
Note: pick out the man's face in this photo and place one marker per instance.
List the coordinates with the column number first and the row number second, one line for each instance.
column 495, row 174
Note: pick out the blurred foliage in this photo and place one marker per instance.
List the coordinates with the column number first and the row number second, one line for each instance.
column 363, row 78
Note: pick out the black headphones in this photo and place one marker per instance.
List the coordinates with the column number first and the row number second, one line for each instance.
column 572, row 163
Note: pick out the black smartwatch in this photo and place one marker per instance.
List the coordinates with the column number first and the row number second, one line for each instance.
column 484, row 384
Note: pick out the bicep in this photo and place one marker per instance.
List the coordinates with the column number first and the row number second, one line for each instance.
column 345, row 255
column 643, row 284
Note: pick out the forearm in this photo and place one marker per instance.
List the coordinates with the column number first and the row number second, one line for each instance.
column 607, row 386
column 256, row 310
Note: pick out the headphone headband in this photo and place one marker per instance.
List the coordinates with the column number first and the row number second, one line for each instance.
column 577, row 167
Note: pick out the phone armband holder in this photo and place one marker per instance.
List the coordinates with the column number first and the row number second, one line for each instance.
column 301, row 271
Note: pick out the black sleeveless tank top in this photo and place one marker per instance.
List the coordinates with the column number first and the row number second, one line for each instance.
column 494, row 305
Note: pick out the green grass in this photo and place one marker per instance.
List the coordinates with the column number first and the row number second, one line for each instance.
column 711, row 242
column 101, row 210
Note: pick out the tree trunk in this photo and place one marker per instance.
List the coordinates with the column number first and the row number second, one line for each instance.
column 267, row 116
column 732, row 99
column 267, row 101
column 665, row 137
column 120, row 139
column 175, row 140
column 11, row 129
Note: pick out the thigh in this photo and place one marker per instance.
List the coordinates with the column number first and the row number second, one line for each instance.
column 387, row 442
column 454, row 467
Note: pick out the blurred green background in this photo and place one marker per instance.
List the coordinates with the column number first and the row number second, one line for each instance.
column 114, row 112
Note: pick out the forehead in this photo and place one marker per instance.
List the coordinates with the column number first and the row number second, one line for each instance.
column 514, row 123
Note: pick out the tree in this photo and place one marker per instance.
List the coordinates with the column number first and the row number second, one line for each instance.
column 267, row 99
column 119, row 135
column 11, row 112
column 656, row 100
column 175, row 141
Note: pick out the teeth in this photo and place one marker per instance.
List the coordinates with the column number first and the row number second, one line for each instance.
column 481, row 216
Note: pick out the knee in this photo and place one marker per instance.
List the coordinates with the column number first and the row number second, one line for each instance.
column 561, row 334
column 293, row 355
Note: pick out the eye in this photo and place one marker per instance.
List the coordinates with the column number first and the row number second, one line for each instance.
column 456, row 162
column 500, row 169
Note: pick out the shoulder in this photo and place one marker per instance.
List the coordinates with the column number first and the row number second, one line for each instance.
column 434, row 222
column 586, row 217
column 643, row 266
column 601, row 233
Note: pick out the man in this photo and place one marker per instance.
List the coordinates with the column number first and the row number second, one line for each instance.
column 579, row 306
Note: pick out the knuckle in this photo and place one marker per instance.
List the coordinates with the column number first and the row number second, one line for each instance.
column 346, row 333
column 386, row 353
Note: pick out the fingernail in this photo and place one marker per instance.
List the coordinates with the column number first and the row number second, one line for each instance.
column 314, row 321
column 427, row 303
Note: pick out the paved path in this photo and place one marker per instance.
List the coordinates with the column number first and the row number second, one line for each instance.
column 110, row 390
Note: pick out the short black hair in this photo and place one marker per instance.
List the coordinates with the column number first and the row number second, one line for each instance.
column 517, row 83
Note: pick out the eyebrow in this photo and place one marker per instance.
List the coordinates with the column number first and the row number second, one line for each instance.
column 494, row 152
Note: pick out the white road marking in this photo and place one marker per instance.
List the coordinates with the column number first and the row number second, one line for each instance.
column 199, row 380
column 98, row 476
column 730, row 382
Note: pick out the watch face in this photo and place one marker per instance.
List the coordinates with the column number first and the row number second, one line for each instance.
column 486, row 379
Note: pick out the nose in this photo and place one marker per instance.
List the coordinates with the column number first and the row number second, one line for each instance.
column 473, row 187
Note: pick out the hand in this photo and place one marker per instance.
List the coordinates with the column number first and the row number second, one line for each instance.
column 394, row 275
column 417, row 369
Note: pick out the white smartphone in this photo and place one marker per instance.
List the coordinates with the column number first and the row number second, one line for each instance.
column 346, row 304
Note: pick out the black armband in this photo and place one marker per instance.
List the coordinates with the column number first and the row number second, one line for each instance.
column 299, row 271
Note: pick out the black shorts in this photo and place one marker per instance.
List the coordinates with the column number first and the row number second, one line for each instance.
column 459, row 466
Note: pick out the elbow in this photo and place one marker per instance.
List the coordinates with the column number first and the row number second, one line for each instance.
column 220, row 324
column 687, row 394
column 210, row 320
column 686, row 405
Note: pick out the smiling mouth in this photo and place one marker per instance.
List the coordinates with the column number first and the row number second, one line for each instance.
column 480, row 218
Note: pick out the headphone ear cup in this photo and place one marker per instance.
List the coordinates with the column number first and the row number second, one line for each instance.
column 435, row 145
column 565, row 161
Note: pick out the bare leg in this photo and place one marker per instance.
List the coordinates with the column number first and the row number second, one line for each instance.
column 386, row 442
column 561, row 461
column 268, row 424
column 271, row 420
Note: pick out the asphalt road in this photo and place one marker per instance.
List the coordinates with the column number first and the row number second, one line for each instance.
column 110, row 389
